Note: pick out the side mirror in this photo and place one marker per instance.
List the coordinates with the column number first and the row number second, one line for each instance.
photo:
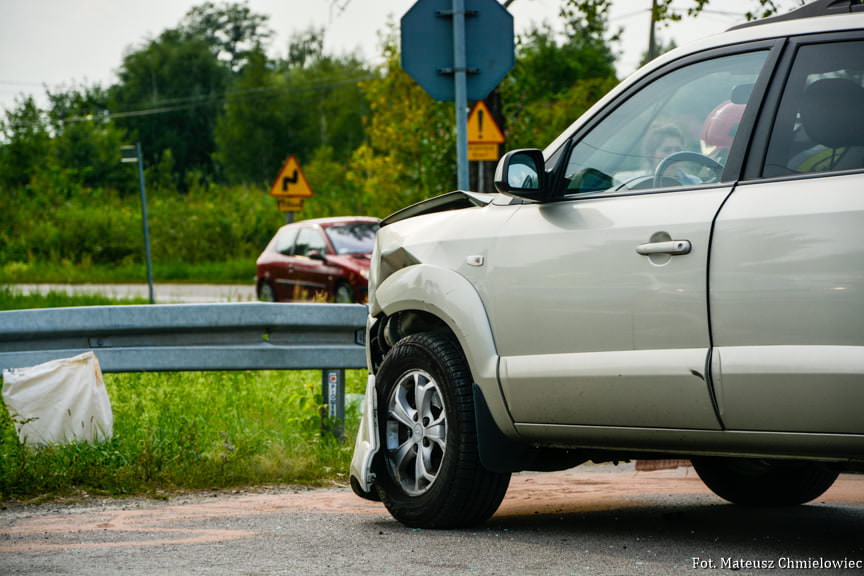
column 317, row 255
column 521, row 173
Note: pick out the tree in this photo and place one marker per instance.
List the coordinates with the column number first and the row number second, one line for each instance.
column 664, row 9
column 408, row 154
column 670, row 10
column 26, row 143
column 86, row 143
column 233, row 32
column 305, row 47
column 554, row 80
column 169, row 96
column 252, row 134
column 294, row 107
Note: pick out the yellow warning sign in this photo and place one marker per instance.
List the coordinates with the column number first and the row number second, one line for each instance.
column 289, row 203
column 482, row 152
column 291, row 182
column 482, row 126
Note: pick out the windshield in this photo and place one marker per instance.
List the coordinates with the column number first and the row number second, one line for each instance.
column 353, row 238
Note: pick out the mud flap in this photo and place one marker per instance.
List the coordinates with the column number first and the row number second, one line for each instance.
column 498, row 453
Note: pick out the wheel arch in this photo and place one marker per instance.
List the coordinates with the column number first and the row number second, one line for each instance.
column 424, row 298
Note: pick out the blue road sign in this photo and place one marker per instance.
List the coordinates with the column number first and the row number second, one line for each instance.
column 428, row 52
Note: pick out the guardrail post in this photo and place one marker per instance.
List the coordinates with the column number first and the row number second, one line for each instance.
column 333, row 393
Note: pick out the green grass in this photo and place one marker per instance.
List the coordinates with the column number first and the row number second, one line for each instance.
column 194, row 430
column 234, row 271
column 10, row 299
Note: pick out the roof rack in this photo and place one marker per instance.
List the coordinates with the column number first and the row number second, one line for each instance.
column 815, row 8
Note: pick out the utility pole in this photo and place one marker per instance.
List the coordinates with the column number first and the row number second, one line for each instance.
column 652, row 42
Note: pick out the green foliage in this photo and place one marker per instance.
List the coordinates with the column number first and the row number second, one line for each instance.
column 169, row 97
column 249, row 136
column 232, row 31
column 97, row 228
column 664, row 10
column 86, row 142
column 211, row 224
column 25, row 143
column 190, row 430
column 409, row 152
column 557, row 78
column 292, row 107
column 13, row 300
column 334, row 193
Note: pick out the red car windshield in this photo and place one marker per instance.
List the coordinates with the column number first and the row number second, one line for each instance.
column 353, row 238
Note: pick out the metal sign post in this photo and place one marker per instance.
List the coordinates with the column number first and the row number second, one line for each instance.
column 460, row 90
column 133, row 154
column 333, row 393
column 475, row 48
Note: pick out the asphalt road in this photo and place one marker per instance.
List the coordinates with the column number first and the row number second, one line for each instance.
column 591, row 520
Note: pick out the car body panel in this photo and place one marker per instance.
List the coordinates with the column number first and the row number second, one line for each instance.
column 629, row 440
column 438, row 281
column 787, row 286
column 592, row 332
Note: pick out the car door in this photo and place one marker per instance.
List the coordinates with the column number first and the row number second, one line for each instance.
column 598, row 297
column 787, row 266
column 311, row 272
column 280, row 263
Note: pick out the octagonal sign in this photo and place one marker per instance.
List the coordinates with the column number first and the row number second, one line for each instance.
column 427, row 46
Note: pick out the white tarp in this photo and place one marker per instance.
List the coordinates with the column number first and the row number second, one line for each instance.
column 59, row 402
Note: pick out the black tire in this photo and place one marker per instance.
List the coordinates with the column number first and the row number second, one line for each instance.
column 453, row 489
column 754, row 482
column 266, row 292
column 343, row 294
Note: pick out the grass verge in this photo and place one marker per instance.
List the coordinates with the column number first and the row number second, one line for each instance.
column 191, row 430
column 11, row 299
column 236, row 271
column 185, row 430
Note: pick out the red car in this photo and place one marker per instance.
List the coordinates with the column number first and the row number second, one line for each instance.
column 320, row 258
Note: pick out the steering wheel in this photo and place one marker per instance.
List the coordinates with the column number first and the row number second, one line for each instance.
column 685, row 157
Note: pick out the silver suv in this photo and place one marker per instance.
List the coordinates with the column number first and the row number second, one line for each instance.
column 679, row 275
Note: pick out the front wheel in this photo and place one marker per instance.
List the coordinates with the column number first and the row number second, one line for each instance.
column 429, row 471
column 266, row 292
column 343, row 294
column 755, row 482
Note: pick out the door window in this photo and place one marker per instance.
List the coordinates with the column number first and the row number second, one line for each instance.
column 309, row 240
column 683, row 123
column 285, row 240
column 820, row 121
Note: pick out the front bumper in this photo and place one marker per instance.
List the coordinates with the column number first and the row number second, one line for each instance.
column 367, row 443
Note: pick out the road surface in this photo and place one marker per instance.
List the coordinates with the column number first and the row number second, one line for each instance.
column 598, row 520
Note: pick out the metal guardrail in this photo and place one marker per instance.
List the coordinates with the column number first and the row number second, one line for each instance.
column 185, row 337
column 188, row 337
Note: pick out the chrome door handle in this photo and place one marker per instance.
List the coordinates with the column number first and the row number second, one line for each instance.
column 673, row 247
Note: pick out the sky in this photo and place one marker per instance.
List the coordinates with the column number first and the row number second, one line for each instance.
column 66, row 43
